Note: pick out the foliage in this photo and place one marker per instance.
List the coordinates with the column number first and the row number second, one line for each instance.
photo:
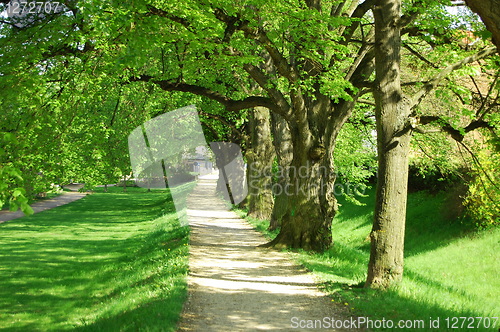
column 482, row 201
column 70, row 120
column 11, row 191
column 468, row 94
column 355, row 158
column 435, row 163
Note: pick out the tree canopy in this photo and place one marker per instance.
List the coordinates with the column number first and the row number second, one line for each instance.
column 74, row 82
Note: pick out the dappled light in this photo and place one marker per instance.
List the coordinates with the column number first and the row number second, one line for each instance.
column 249, row 165
column 234, row 282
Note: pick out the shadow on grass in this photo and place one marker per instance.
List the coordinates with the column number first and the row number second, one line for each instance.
column 349, row 211
column 151, row 316
column 392, row 305
column 106, row 259
column 421, row 296
column 427, row 227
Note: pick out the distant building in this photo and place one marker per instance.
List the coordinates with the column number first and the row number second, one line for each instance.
column 200, row 161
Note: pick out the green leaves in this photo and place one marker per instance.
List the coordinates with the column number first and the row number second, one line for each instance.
column 68, row 106
column 18, row 192
column 355, row 157
column 16, row 197
column 483, row 196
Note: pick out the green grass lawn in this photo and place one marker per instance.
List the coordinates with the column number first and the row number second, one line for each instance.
column 110, row 262
column 450, row 270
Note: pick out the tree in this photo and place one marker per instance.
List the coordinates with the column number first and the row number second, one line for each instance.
column 67, row 119
column 299, row 77
column 393, row 141
column 310, row 61
column 396, row 119
column 283, row 146
column 260, row 158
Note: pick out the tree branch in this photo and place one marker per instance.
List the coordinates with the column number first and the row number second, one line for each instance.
column 229, row 104
column 264, row 82
column 456, row 134
column 162, row 13
column 366, row 48
column 366, row 101
column 258, row 34
column 434, row 82
column 412, row 14
column 358, row 13
column 493, row 84
column 225, row 122
column 420, row 56
column 68, row 50
column 489, row 13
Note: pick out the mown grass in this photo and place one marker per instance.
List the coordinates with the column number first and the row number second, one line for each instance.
column 110, row 262
column 450, row 270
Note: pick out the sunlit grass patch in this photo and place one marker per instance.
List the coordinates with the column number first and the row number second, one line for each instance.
column 450, row 270
column 111, row 261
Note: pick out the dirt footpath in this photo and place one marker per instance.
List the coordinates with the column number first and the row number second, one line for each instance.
column 235, row 285
column 65, row 198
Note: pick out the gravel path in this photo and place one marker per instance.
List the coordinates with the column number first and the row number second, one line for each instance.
column 46, row 204
column 235, row 285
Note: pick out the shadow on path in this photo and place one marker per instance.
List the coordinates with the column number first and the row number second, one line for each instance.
column 235, row 285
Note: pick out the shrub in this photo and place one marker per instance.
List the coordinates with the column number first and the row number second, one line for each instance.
column 482, row 201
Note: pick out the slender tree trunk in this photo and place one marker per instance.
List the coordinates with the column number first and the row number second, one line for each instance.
column 125, row 183
column 283, row 146
column 260, row 159
column 393, row 141
column 232, row 181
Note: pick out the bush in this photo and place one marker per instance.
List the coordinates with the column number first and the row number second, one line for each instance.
column 482, row 201
column 434, row 179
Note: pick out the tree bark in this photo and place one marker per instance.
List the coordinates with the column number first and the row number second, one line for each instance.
column 310, row 203
column 260, row 159
column 489, row 11
column 393, row 141
column 283, row 146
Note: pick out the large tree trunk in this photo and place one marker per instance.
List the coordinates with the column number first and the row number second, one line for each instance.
column 283, row 146
column 260, row 159
column 306, row 223
column 311, row 204
column 393, row 140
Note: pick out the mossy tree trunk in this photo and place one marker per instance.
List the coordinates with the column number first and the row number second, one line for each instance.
column 310, row 202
